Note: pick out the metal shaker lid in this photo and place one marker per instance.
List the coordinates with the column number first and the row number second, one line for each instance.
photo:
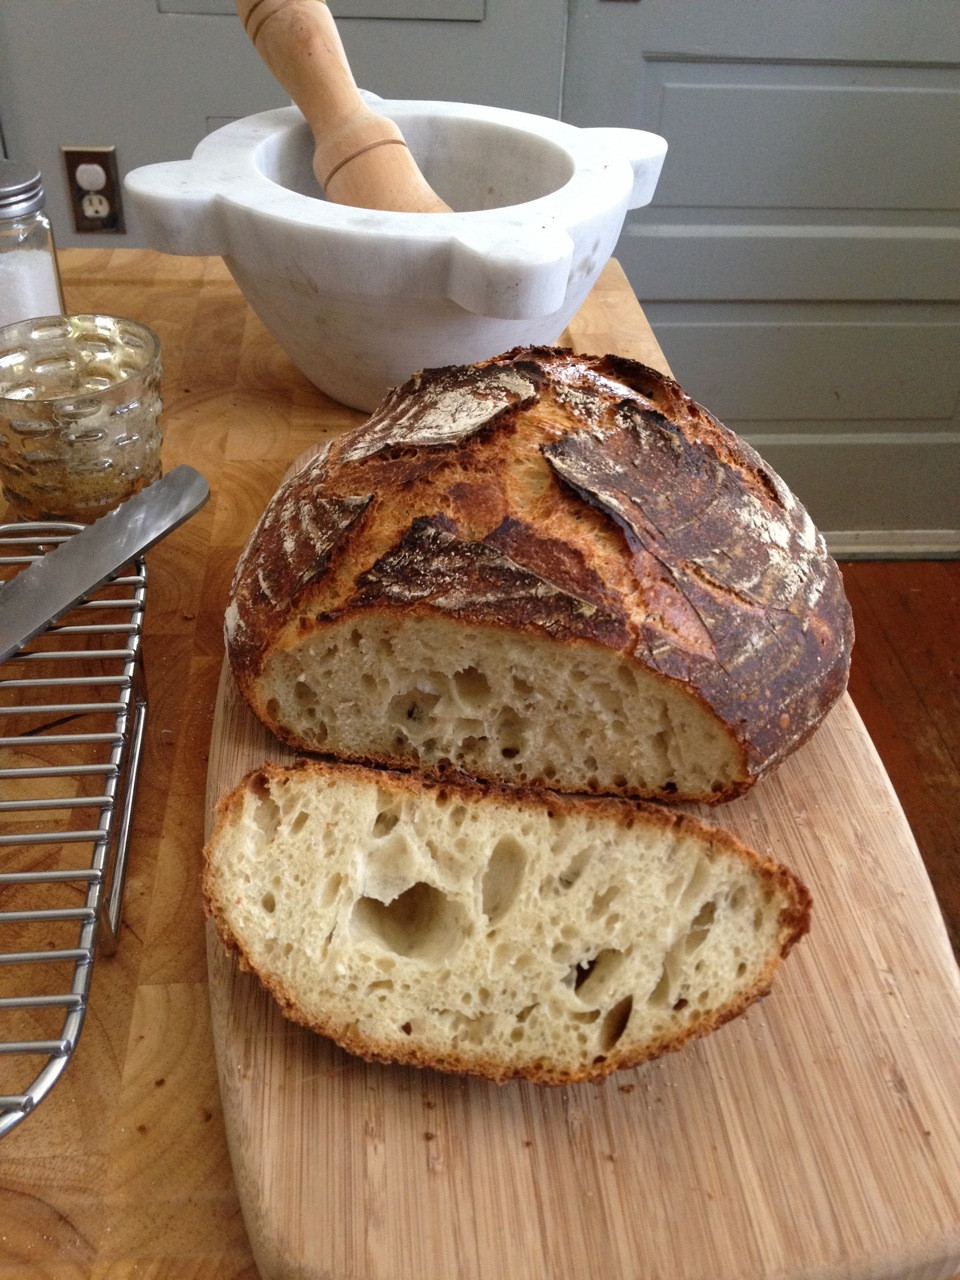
column 21, row 189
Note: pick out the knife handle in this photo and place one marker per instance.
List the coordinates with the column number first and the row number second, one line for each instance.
column 360, row 158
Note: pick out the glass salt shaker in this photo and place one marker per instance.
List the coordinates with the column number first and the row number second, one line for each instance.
column 29, row 277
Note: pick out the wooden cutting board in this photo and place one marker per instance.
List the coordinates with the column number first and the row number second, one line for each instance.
column 817, row 1136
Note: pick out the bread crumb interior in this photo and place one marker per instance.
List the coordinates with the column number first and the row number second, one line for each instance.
column 488, row 930
column 435, row 694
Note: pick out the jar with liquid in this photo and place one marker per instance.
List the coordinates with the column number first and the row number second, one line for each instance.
column 79, row 414
column 29, row 277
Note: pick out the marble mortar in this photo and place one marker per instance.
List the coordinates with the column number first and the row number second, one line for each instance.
column 360, row 299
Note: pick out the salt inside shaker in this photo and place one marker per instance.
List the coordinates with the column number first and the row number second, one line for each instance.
column 29, row 277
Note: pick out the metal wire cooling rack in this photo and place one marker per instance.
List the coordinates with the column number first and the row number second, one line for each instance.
column 72, row 715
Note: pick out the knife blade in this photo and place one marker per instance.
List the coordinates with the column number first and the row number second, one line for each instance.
column 54, row 583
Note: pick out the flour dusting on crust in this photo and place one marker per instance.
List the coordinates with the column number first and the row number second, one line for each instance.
column 434, row 410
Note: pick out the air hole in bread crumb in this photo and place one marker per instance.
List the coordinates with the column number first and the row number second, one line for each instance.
column 615, row 1023
column 412, row 707
column 674, row 889
column 574, row 869
column 384, row 823
column 696, row 887
column 503, row 877
column 330, row 890
column 260, row 786
column 421, row 922
column 700, row 927
column 267, row 817
column 472, row 686
column 304, row 694
column 509, row 731
column 607, row 697
column 269, row 903
column 591, row 976
column 300, row 820
column 587, row 1018
column 658, row 996
column 602, row 901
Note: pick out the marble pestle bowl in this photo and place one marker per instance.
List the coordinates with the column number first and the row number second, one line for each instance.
column 361, row 299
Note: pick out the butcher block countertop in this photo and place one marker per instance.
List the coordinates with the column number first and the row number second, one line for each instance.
column 816, row 1138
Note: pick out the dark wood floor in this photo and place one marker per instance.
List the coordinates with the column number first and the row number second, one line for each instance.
column 905, row 681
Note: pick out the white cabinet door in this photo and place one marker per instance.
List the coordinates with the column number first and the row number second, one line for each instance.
column 801, row 260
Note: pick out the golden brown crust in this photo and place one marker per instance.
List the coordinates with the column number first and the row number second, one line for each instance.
column 588, row 500
column 794, row 921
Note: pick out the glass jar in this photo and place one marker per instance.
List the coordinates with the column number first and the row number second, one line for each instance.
column 29, row 278
column 79, row 414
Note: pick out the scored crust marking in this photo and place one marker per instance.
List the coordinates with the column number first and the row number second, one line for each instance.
column 312, row 469
column 431, row 566
column 292, row 545
column 588, row 394
column 442, row 408
column 730, row 537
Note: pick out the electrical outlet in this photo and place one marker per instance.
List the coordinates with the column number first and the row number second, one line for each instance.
column 93, row 184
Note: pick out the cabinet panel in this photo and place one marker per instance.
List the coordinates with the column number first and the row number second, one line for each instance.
column 873, row 375
column 757, row 262
column 891, row 488
column 776, row 144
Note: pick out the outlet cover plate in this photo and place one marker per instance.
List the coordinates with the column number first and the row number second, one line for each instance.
column 93, row 186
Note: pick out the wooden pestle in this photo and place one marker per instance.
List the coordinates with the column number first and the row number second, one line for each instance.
column 361, row 158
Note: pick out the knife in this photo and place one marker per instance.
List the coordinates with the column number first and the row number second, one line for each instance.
column 54, row 583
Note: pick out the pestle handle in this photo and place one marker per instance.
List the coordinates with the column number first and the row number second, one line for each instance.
column 361, row 158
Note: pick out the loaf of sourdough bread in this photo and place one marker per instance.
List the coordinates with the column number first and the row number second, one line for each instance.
column 547, row 570
column 496, row 931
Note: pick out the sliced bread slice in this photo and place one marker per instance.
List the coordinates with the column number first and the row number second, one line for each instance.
column 489, row 930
